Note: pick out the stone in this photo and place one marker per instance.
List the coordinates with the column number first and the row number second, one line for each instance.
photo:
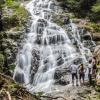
column 62, row 81
column 87, row 37
column 97, row 53
column 35, row 62
column 59, row 73
column 98, row 79
column 19, row 77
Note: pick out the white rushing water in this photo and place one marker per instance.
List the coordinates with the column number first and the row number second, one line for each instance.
column 53, row 44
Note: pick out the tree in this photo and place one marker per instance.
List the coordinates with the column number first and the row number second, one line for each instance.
column 96, row 7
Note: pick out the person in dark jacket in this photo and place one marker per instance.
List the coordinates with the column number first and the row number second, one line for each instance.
column 94, row 70
column 90, row 67
column 81, row 74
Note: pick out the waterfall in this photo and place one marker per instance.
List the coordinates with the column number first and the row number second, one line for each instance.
column 47, row 46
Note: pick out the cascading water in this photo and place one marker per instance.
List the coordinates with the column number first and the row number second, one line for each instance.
column 50, row 43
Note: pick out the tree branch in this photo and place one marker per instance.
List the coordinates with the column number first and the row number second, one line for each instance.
column 9, row 96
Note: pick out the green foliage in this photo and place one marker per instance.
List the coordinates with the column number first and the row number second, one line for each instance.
column 11, row 68
column 1, row 62
column 94, row 26
column 96, row 8
column 10, row 21
column 17, row 16
column 98, row 95
column 97, row 88
column 12, row 4
column 70, row 4
column 1, row 3
column 23, row 15
column 3, row 35
column 83, row 8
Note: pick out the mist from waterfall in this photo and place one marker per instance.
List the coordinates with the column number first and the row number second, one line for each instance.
column 51, row 43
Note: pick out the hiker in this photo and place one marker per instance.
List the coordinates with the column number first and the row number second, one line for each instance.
column 73, row 69
column 81, row 73
column 94, row 70
column 90, row 67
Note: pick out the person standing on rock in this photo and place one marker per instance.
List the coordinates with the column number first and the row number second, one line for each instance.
column 90, row 67
column 94, row 71
column 81, row 73
column 73, row 70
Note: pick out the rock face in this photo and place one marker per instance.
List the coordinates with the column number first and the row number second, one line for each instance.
column 9, row 47
column 14, row 18
column 35, row 63
column 60, row 75
column 85, row 36
column 96, row 38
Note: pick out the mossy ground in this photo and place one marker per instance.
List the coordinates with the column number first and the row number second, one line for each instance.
column 9, row 89
column 14, row 15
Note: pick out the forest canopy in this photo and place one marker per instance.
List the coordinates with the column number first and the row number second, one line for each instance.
column 83, row 8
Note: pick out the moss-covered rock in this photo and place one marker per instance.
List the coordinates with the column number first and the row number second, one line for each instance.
column 94, row 26
column 97, row 88
column 14, row 15
column 1, row 61
column 14, row 19
column 15, row 91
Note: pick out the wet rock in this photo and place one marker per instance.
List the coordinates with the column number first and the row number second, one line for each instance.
column 10, row 50
column 66, row 20
column 97, row 53
column 19, row 77
column 98, row 77
column 35, row 62
column 60, row 72
column 10, row 42
column 60, row 76
column 62, row 81
column 96, row 38
column 15, row 35
column 57, row 75
column 87, row 37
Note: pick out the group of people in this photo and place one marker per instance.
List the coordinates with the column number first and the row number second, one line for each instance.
column 79, row 72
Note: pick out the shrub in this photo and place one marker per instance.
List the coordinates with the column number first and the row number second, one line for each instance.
column 83, row 8
column 1, row 62
column 17, row 17
column 96, row 8
column 94, row 26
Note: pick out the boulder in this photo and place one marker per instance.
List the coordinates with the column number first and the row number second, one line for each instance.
column 35, row 63
column 98, row 79
column 62, row 81
column 87, row 37
column 19, row 77
column 61, row 71
column 97, row 52
column 60, row 75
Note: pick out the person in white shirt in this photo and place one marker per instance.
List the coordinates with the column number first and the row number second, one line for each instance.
column 73, row 69
column 90, row 67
